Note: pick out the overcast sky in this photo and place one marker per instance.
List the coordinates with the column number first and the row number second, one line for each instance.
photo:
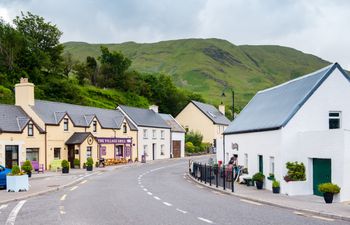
column 320, row 27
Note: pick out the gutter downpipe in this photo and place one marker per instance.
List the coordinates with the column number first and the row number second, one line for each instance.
column 45, row 147
column 223, row 150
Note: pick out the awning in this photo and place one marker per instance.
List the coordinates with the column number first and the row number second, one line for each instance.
column 78, row 138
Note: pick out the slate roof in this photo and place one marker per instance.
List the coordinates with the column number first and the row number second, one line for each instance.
column 53, row 113
column 175, row 126
column 272, row 108
column 144, row 117
column 77, row 138
column 12, row 118
column 212, row 113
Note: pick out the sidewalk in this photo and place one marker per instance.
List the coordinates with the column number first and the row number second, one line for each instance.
column 52, row 181
column 304, row 204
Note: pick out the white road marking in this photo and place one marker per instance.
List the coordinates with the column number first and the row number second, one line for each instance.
column 13, row 214
column 182, row 211
column 323, row 218
column 3, row 206
column 250, row 202
column 149, row 193
column 145, row 189
column 167, row 204
column 157, row 198
column 83, row 182
column 63, row 197
column 73, row 188
column 205, row 220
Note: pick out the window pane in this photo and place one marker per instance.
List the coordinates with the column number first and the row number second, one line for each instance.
column 334, row 114
column 57, row 153
column 334, row 123
column 32, row 154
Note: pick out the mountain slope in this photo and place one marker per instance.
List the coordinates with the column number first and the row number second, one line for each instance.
column 208, row 66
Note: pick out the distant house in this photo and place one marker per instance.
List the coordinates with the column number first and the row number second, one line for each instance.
column 205, row 119
column 154, row 134
column 306, row 120
column 177, row 148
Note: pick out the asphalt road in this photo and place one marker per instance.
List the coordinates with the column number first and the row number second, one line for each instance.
column 148, row 194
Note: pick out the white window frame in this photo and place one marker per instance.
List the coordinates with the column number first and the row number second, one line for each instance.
column 162, row 147
column 88, row 151
column 272, row 165
column 65, row 122
column 145, row 134
column 30, row 130
column 94, row 126
column 154, row 134
column 162, row 134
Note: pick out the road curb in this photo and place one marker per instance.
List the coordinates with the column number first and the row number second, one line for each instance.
column 308, row 211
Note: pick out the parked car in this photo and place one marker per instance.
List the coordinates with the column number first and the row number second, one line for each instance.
column 3, row 173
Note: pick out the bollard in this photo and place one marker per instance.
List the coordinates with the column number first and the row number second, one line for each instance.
column 209, row 175
column 205, row 173
column 223, row 178
column 232, row 181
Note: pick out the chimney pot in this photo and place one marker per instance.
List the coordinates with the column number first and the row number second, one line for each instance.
column 222, row 108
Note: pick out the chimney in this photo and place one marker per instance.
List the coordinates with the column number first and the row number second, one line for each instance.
column 222, row 108
column 24, row 93
column 154, row 108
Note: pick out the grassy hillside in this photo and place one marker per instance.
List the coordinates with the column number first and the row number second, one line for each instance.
column 208, row 66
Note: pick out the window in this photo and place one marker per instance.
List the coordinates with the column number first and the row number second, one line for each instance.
column 334, row 120
column 154, row 134
column 32, row 154
column 145, row 150
column 162, row 134
column 245, row 160
column 94, row 126
column 30, row 129
column 65, row 124
column 125, row 128
column 272, row 165
column 88, row 151
column 57, row 153
column 161, row 149
column 119, row 150
column 145, row 135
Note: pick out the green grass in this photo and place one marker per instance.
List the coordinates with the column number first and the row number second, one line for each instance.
column 207, row 66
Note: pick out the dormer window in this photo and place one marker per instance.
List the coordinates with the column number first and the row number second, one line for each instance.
column 65, row 124
column 125, row 128
column 30, row 129
column 94, row 126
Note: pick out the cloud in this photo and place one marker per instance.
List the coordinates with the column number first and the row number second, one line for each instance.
column 315, row 26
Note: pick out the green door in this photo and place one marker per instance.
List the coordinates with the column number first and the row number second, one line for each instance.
column 261, row 164
column 322, row 173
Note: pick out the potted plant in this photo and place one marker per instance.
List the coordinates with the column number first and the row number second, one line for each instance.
column 328, row 190
column 259, row 180
column 271, row 176
column 27, row 168
column 76, row 163
column 276, row 187
column 65, row 166
column 89, row 164
column 17, row 180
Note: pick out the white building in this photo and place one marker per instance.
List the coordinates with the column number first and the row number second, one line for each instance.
column 154, row 134
column 305, row 120
column 177, row 149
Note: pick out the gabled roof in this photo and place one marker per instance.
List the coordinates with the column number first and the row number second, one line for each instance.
column 272, row 108
column 78, row 138
column 144, row 117
column 175, row 126
column 53, row 113
column 212, row 113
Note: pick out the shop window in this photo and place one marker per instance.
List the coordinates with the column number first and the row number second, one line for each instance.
column 334, row 120
column 57, row 153
column 32, row 154
column 65, row 124
column 30, row 129
column 145, row 135
column 125, row 128
column 94, row 126
column 154, row 134
column 162, row 134
column 119, row 150
column 88, row 151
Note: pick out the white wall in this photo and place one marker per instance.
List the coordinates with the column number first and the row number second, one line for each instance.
column 176, row 136
column 158, row 141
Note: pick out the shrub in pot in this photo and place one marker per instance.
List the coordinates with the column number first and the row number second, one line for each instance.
column 27, row 168
column 65, row 166
column 328, row 190
column 76, row 163
column 276, row 187
column 17, row 180
column 89, row 164
column 259, row 180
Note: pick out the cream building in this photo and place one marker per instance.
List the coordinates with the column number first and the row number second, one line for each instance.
column 205, row 119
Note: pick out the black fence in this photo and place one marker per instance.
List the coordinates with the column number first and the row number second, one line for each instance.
column 223, row 176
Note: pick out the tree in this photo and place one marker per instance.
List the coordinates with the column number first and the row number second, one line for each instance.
column 68, row 63
column 91, row 64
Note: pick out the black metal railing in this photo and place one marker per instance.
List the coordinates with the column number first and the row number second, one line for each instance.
column 223, row 176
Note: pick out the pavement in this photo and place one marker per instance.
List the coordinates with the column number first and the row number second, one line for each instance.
column 152, row 193
column 309, row 204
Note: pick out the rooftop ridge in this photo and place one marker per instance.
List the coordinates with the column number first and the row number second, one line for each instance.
column 64, row 103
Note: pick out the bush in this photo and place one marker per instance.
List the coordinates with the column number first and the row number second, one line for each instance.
column 16, row 171
column 275, row 184
column 89, row 162
column 65, row 164
column 329, row 188
column 194, row 137
column 76, row 162
column 296, row 171
column 27, row 166
column 189, row 147
column 204, row 147
column 258, row 177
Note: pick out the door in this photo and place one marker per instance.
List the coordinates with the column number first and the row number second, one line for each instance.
column 176, row 149
column 11, row 155
column 71, row 155
column 261, row 164
column 154, row 151
column 322, row 173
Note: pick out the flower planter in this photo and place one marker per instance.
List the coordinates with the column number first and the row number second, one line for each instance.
column 276, row 190
column 65, row 170
column 259, row 185
column 88, row 168
column 17, row 183
column 328, row 197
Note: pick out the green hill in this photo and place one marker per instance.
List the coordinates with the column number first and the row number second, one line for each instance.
column 208, row 66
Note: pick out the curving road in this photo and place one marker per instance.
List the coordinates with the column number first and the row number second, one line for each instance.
column 149, row 194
